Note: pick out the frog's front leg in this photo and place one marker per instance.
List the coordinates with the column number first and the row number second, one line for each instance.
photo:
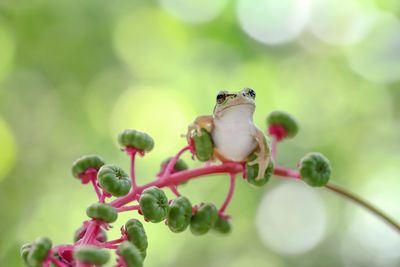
column 206, row 122
column 263, row 155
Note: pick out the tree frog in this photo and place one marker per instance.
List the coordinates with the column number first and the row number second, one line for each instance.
column 233, row 131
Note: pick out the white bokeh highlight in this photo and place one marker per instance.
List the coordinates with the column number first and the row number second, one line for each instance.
column 291, row 218
column 273, row 22
column 340, row 22
column 377, row 57
column 194, row 11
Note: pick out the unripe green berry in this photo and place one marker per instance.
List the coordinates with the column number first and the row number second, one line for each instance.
column 38, row 252
column 131, row 254
column 114, row 180
column 203, row 145
column 252, row 172
column 222, row 225
column 315, row 169
column 91, row 255
column 154, row 204
column 139, row 140
column 179, row 215
column 137, row 235
column 103, row 212
column 204, row 219
column 284, row 120
column 84, row 163
column 180, row 165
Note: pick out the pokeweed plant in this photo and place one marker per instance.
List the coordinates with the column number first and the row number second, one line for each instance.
column 90, row 246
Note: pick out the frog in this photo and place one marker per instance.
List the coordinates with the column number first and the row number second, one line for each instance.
column 234, row 134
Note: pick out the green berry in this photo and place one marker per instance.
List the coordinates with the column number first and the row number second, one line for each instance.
column 84, row 163
column 38, row 251
column 315, row 169
column 180, row 165
column 285, row 120
column 91, row 255
column 136, row 235
column 114, row 180
column 179, row 215
column 130, row 254
column 252, row 172
column 24, row 252
column 103, row 212
column 203, row 145
column 204, row 219
column 154, row 204
column 222, row 225
column 139, row 140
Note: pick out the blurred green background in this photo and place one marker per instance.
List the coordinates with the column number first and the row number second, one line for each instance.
column 75, row 73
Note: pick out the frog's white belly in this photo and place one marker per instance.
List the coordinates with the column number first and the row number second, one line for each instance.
column 233, row 136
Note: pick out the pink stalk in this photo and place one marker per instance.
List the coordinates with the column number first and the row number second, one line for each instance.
column 175, row 190
column 57, row 262
column 96, row 188
column 286, row 172
column 115, row 241
column 172, row 162
column 132, row 154
column 178, row 178
column 230, row 194
column 128, row 208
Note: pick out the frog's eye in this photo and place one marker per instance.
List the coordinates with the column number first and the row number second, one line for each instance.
column 249, row 93
column 221, row 97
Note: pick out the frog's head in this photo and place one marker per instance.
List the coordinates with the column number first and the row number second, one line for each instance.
column 226, row 100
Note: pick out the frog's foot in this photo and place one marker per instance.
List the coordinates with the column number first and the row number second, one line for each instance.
column 255, row 161
column 262, row 167
column 193, row 127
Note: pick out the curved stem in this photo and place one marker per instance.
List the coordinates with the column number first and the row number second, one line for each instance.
column 96, row 188
column 128, row 208
column 230, row 193
column 377, row 212
column 133, row 178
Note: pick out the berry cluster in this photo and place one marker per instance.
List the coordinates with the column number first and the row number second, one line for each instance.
column 91, row 248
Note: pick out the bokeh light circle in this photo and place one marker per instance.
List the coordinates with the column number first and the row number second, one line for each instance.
column 8, row 149
column 377, row 56
column 291, row 218
column 161, row 112
column 194, row 11
column 273, row 22
column 339, row 22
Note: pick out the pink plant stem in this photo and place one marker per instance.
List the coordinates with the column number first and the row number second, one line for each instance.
column 286, row 172
column 175, row 190
column 91, row 232
column 173, row 161
column 230, row 194
column 128, row 208
column 116, row 241
column 178, row 178
column 102, row 198
column 132, row 154
column 96, row 188
column 274, row 143
column 58, row 263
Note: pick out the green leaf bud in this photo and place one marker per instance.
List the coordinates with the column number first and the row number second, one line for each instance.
column 137, row 235
column 222, row 225
column 284, row 120
column 38, row 252
column 139, row 140
column 315, row 169
column 131, row 254
column 91, row 254
column 154, row 204
column 82, row 164
column 103, row 212
column 203, row 145
column 179, row 215
column 204, row 219
column 114, row 180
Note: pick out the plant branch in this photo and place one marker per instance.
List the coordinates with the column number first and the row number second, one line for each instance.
column 230, row 194
column 358, row 200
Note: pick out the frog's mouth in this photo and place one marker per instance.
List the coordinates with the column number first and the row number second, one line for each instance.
column 235, row 105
